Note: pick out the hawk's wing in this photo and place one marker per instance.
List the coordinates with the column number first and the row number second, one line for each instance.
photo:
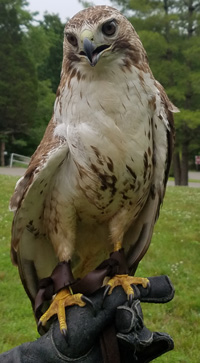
column 140, row 232
column 29, row 243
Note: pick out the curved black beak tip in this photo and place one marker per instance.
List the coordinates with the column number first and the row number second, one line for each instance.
column 89, row 48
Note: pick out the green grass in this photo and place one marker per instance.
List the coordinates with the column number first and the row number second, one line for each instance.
column 171, row 178
column 16, row 317
column 17, row 164
column 174, row 251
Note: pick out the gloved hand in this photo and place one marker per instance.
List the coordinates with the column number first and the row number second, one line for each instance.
column 136, row 342
column 92, row 332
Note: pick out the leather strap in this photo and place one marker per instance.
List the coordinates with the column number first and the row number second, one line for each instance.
column 94, row 279
column 119, row 256
column 62, row 277
column 109, row 345
column 108, row 339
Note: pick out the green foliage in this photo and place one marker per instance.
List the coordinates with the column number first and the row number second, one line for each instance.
column 44, row 43
column 18, row 85
column 170, row 33
column 31, row 57
column 50, row 68
column 37, row 44
column 43, row 114
column 189, row 117
column 86, row 4
column 174, row 251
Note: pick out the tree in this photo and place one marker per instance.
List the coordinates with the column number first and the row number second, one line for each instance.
column 188, row 122
column 43, row 114
column 51, row 66
column 169, row 30
column 44, row 42
column 18, row 85
column 39, row 42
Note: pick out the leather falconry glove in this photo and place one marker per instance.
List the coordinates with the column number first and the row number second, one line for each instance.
column 112, row 332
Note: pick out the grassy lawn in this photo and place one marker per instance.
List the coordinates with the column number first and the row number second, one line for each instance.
column 171, row 178
column 16, row 318
column 174, row 251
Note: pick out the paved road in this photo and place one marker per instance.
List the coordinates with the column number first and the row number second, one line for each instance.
column 20, row 171
column 195, row 175
column 12, row 171
column 191, row 184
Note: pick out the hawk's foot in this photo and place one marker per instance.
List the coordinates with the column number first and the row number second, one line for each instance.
column 125, row 281
column 62, row 299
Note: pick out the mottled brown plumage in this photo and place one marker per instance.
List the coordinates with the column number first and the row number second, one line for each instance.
column 99, row 174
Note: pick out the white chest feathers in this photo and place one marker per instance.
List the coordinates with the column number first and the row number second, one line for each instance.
column 107, row 125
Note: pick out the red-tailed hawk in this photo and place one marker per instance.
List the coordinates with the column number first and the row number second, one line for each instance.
column 98, row 177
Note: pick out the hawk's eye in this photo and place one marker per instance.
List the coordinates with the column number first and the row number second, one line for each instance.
column 72, row 39
column 109, row 28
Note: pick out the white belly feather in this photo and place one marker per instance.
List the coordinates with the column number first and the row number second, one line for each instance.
column 109, row 167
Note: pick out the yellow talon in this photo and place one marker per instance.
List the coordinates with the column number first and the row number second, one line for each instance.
column 63, row 299
column 126, row 281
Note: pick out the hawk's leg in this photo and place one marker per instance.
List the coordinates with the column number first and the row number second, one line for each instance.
column 61, row 228
column 59, row 285
column 62, row 299
column 124, row 280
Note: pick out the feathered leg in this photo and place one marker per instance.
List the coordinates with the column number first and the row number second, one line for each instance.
column 118, row 226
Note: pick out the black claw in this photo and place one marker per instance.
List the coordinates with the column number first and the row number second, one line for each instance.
column 64, row 332
column 107, row 288
column 39, row 325
column 130, row 299
column 88, row 302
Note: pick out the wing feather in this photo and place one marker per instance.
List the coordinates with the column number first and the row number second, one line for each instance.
column 29, row 242
column 34, row 186
column 140, row 232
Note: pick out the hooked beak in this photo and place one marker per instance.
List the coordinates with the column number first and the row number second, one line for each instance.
column 91, row 52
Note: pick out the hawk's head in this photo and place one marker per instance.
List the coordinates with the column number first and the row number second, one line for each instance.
column 100, row 35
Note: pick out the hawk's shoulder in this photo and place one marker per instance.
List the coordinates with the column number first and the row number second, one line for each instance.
column 48, row 149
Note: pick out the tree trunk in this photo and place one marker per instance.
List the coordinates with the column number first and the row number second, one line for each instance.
column 180, row 166
column 2, row 149
column 177, row 168
column 184, row 164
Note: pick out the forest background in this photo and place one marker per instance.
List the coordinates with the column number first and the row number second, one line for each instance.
column 30, row 64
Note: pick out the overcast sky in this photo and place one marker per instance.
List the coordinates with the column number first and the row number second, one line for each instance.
column 65, row 8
